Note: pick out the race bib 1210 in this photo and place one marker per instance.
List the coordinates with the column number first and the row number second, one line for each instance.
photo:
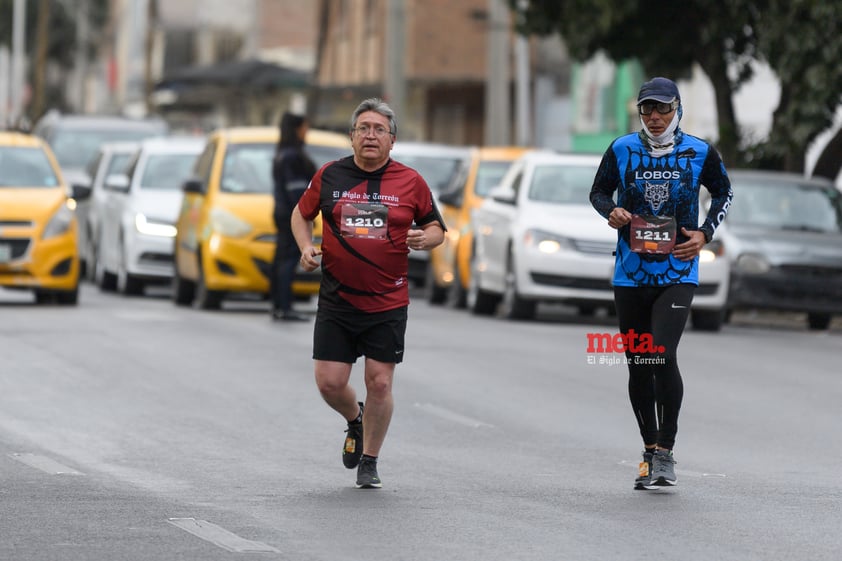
column 365, row 220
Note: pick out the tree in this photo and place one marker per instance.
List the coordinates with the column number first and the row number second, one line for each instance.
column 667, row 38
column 795, row 37
column 800, row 41
column 59, row 46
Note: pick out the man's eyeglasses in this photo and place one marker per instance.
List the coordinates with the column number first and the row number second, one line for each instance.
column 365, row 130
column 662, row 108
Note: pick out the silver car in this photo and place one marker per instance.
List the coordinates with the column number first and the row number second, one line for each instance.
column 783, row 237
column 442, row 166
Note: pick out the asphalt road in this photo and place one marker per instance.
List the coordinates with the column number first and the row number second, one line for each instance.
column 134, row 430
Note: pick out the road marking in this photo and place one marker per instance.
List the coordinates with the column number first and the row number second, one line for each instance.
column 45, row 464
column 452, row 416
column 220, row 536
column 688, row 473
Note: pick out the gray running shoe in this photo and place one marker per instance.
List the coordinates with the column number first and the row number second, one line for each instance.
column 644, row 472
column 663, row 469
column 352, row 449
column 367, row 477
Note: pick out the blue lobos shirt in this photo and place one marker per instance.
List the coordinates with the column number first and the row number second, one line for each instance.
column 663, row 186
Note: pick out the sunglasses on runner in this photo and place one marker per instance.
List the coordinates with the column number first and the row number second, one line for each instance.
column 646, row 107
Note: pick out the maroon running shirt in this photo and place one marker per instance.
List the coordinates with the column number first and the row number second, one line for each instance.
column 366, row 216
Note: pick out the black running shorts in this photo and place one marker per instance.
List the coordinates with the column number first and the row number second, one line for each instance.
column 345, row 336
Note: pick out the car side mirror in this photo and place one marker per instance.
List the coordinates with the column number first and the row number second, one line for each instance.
column 193, row 185
column 80, row 192
column 503, row 194
column 453, row 197
column 117, row 182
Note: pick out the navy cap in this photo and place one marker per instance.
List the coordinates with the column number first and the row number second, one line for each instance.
column 658, row 89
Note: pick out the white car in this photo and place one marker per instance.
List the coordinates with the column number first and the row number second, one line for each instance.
column 710, row 300
column 138, row 214
column 111, row 158
column 539, row 239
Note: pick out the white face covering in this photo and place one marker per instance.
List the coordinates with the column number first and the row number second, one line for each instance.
column 663, row 143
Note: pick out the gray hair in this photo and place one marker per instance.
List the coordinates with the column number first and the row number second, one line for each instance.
column 378, row 106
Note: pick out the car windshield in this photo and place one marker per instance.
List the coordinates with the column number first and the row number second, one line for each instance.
column 562, row 184
column 25, row 167
column 74, row 148
column 248, row 168
column 438, row 171
column 324, row 154
column 787, row 206
column 118, row 163
column 489, row 175
column 167, row 171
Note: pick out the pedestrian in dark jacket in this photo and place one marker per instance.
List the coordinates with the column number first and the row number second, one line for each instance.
column 292, row 170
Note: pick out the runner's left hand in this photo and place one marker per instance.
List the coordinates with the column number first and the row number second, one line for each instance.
column 691, row 248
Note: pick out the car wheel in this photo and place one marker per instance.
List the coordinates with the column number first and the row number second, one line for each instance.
column 68, row 297
column 457, row 295
column 435, row 293
column 183, row 291
column 105, row 279
column 207, row 299
column 818, row 321
column 44, row 297
column 707, row 320
column 90, row 259
column 478, row 301
column 513, row 306
column 127, row 283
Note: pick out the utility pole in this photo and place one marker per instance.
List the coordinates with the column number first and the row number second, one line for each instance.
column 18, row 33
column 5, row 71
column 497, row 97
column 149, row 51
column 83, row 15
column 42, row 37
column 394, row 81
column 522, row 91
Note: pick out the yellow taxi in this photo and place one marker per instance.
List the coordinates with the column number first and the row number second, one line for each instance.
column 38, row 229
column 225, row 235
column 450, row 262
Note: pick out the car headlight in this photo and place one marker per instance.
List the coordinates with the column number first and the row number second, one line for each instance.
column 753, row 263
column 144, row 225
column 227, row 224
column 60, row 222
column 545, row 242
column 706, row 256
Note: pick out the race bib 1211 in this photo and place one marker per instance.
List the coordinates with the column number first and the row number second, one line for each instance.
column 652, row 234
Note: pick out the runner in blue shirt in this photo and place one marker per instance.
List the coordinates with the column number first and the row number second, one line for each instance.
column 656, row 174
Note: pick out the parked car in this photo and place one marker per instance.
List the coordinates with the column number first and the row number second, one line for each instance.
column 783, row 237
column 443, row 167
column 138, row 212
column 75, row 139
column 225, row 235
column 538, row 239
column 38, row 245
column 449, row 270
column 111, row 158
column 710, row 300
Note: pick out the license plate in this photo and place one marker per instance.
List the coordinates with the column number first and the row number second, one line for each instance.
column 5, row 253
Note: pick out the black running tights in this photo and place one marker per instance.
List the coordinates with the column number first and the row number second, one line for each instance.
column 655, row 385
